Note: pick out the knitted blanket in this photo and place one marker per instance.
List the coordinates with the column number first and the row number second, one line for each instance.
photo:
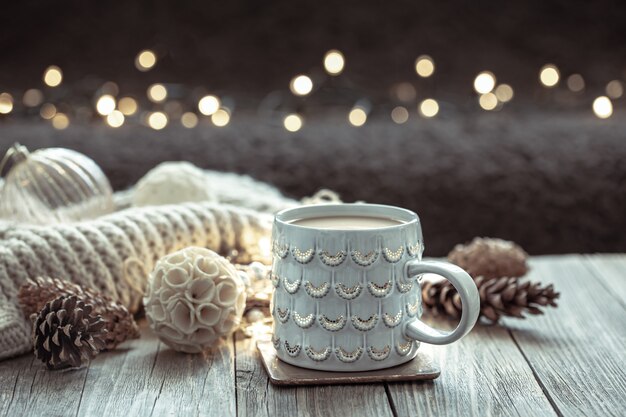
column 114, row 254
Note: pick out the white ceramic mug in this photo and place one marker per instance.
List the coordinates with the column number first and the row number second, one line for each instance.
column 349, row 299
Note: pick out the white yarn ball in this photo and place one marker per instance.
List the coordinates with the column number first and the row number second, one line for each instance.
column 194, row 297
column 173, row 183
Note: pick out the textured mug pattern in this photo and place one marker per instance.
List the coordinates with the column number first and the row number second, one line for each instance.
column 341, row 298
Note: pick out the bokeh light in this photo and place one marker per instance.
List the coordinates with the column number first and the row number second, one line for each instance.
column 424, row 66
column 157, row 93
column 189, row 120
column 53, row 76
column 357, row 117
column 614, row 89
column 301, row 85
column 484, row 82
column 127, row 105
column 208, row 105
column 334, row 62
column 429, row 108
column 549, row 75
column 399, row 115
column 488, row 101
column 405, row 92
column 504, row 93
column 6, row 103
column 115, row 118
column 293, row 122
column 32, row 97
column 60, row 121
column 220, row 118
column 157, row 120
column 576, row 83
column 145, row 60
column 602, row 107
column 105, row 104
column 47, row 111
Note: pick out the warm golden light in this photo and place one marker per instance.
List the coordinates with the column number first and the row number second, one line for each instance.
column 208, row 105
column 189, row 120
column 115, row 118
column 105, row 104
column 157, row 93
column 334, row 62
column 399, row 115
column 576, row 83
column 357, row 117
column 32, row 97
column 301, row 85
column 424, row 66
column 53, row 76
column 488, row 101
column 504, row 93
column 60, row 121
column 614, row 89
column 293, row 122
column 47, row 111
column 549, row 75
column 127, row 105
column 157, row 120
column 220, row 118
column 429, row 108
column 6, row 103
column 145, row 60
column 484, row 82
column 602, row 107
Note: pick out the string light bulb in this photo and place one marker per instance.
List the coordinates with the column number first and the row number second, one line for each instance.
column 60, row 121
column 157, row 120
column 47, row 111
column 301, row 85
column 220, row 118
column 157, row 93
column 115, row 118
column 334, row 62
column 424, row 66
column 357, row 116
column 504, row 93
column 105, row 104
column 189, row 120
column 6, row 103
column 602, row 107
column 127, row 105
column 484, row 82
column 429, row 108
column 293, row 122
column 209, row 105
column 145, row 60
column 488, row 101
column 549, row 75
column 399, row 115
column 53, row 76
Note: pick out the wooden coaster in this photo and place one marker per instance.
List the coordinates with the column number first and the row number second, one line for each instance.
column 419, row 369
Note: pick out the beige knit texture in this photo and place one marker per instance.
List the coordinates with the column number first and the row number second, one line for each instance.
column 114, row 253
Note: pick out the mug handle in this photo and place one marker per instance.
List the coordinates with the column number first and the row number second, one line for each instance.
column 465, row 286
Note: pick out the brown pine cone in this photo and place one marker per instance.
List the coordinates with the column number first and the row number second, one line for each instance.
column 490, row 258
column 119, row 323
column 498, row 297
column 67, row 333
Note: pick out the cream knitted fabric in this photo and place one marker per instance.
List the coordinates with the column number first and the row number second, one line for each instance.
column 114, row 253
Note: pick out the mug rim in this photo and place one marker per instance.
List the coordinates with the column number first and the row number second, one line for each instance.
column 406, row 217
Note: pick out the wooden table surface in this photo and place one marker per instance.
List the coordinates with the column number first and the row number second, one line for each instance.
column 570, row 361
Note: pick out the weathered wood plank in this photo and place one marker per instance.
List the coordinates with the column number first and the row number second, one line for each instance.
column 36, row 391
column 257, row 397
column 147, row 378
column 483, row 374
column 611, row 270
column 577, row 350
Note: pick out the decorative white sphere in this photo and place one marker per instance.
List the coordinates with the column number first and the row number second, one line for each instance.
column 194, row 297
column 173, row 183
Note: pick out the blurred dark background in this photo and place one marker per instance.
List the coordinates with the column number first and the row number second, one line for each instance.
column 542, row 169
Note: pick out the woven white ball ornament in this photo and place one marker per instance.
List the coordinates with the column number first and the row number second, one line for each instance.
column 194, row 297
column 173, row 183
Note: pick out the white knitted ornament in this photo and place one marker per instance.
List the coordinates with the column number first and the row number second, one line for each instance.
column 173, row 183
column 194, row 297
